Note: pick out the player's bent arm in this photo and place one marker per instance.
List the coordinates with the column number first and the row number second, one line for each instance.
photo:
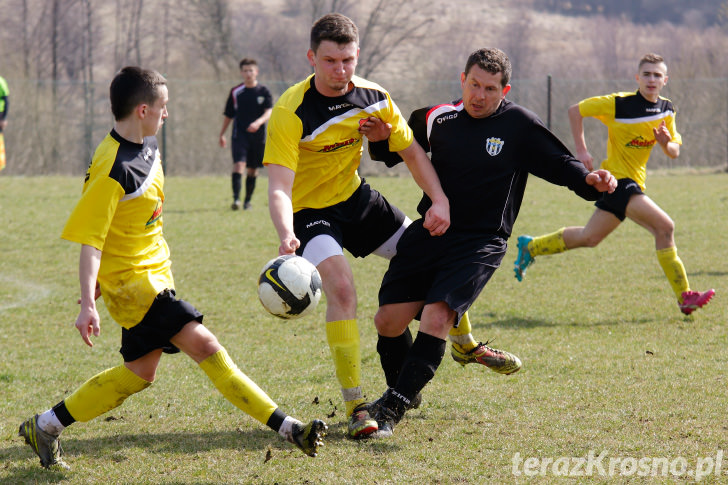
column 437, row 219
column 87, row 321
column 280, row 205
column 671, row 149
column 576, row 121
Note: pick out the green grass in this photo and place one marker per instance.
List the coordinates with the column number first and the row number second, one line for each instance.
column 609, row 363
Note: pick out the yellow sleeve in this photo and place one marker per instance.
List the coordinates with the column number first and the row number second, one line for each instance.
column 90, row 219
column 401, row 136
column 284, row 134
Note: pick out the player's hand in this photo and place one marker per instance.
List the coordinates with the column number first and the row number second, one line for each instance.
column 223, row 141
column 253, row 127
column 437, row 218
column 662, row 134
column 374, row 128
column 602, row 180
column 288, row 245
column 88, row 323
column 587, row 159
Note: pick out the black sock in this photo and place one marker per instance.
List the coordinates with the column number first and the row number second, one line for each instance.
column 276, row 419
column 237, row 184
column 419, row 368
column 62, row 414
column 249, row 187
column 392, row 354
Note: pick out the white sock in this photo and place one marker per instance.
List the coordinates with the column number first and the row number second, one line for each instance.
column 48, row 422
column 461, row 339
column 286, row 429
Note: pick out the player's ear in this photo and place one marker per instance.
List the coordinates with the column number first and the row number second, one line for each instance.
column 311, row 54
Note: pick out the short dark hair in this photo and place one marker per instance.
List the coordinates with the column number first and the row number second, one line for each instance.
column 133, row 86
column 651, row 59
column 335, row 27
column 248, row 61
column 491, row 60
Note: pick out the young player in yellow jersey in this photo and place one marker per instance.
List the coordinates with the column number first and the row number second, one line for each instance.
column 636, row 123
column 125, row 259
column 319, row 205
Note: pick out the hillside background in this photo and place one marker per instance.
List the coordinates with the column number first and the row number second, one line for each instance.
column 59, row 56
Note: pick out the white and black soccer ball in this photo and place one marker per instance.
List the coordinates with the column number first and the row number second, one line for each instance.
column 289, row 286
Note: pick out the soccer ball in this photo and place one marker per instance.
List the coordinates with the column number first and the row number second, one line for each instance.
column 289, row 287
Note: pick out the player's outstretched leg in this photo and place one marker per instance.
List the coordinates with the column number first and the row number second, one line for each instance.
column 524, row 258
column 496, row 360
column 308, row 437
column 692, row 300
column 46, row 446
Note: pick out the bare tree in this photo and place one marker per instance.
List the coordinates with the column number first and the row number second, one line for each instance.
column 209, row 32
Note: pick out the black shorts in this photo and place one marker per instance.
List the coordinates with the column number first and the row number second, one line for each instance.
column 164, row 319
column 453, row 268
column 616, row 202
column 360, row 224
column 248, row 148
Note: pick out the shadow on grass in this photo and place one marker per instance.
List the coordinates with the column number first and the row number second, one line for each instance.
column 525, row 323
column 115, row 449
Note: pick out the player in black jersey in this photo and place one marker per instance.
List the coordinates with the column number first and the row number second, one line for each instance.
column 482, row 147
column 248, row 107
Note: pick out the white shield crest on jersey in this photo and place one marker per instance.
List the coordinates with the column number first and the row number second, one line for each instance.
column 494, row 146
column 261, row 99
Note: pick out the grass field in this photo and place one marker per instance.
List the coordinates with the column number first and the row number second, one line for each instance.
column 611, row 369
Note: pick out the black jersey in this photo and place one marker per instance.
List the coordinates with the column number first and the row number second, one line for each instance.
column 483, row 163
column 245, row 105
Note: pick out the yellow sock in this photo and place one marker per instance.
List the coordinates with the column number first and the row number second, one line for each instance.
column 343, row 338
column 462, row 337
column 548, row 244
column 103, row 392
column 674, row 270
column 238, row 388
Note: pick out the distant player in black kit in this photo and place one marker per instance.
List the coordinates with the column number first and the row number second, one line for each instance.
column 482, row 147
column 248, row 106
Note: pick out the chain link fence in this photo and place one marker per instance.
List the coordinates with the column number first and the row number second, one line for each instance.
column 53, row 128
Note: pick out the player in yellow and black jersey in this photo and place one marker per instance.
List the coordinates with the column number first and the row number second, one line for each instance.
column 125, row 259
column 320, row 206
column 636, row 122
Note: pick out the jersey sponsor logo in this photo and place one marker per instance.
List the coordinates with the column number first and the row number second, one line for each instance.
column 335, row 107
column 494, row 146
column 640, row 142
column 316, row 223
column 446, row 117
column 157, row 213
column 653, row 110
column 339, row 145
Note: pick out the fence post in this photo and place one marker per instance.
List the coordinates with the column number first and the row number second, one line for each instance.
column 548, row 102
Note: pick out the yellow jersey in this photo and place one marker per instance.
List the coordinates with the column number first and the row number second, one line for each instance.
column 120, row 213
column 317, row 137
column 630, row 118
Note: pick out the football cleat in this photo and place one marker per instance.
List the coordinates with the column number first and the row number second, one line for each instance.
column 496, row 360
column 361, row 424
column 247, row 205
column 414, row 404
column 692, row 300
column 236, row 205
column 46, row 446
column 309, row 437
column 524, row 258
column 390, row 411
